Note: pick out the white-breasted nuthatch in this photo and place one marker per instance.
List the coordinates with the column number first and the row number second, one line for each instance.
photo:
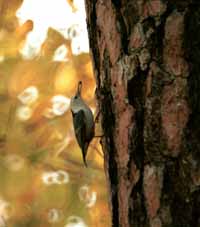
column 83, row 121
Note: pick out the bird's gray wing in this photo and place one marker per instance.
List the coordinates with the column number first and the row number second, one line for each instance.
column 79, row 127
column 80, row 132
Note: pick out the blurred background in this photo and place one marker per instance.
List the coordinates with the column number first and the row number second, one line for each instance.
column 43, row 181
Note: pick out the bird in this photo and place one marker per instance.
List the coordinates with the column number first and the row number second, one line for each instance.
column 83, row 121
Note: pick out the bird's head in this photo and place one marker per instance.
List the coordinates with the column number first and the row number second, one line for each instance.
column 76, row 101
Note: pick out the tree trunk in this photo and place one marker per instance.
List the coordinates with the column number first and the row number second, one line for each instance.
column 146, row 57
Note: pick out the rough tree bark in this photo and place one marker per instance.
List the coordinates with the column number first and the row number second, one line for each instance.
column 146, row 57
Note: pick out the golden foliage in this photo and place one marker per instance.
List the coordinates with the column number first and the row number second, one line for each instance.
column 41, row 167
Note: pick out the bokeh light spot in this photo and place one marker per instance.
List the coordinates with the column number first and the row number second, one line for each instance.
column 75, row 221
column 60, row 54
column 54, row 215
column 60, row 104
column 5, row 209
column 55, row 177
column 29, row 95
column 87, row 196
column 24, row 113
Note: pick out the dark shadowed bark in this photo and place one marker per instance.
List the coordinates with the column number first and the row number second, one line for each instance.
column 146, row 57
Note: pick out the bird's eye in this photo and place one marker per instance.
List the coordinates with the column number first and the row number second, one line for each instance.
column 75, row 97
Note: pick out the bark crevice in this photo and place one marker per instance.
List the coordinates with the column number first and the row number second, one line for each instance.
column 108, row 125
column 121, row 26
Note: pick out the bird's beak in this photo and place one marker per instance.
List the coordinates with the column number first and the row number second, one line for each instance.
column 79, row 88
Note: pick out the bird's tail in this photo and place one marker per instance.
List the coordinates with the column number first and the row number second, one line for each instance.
column 84, row 153
column 84, row 160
